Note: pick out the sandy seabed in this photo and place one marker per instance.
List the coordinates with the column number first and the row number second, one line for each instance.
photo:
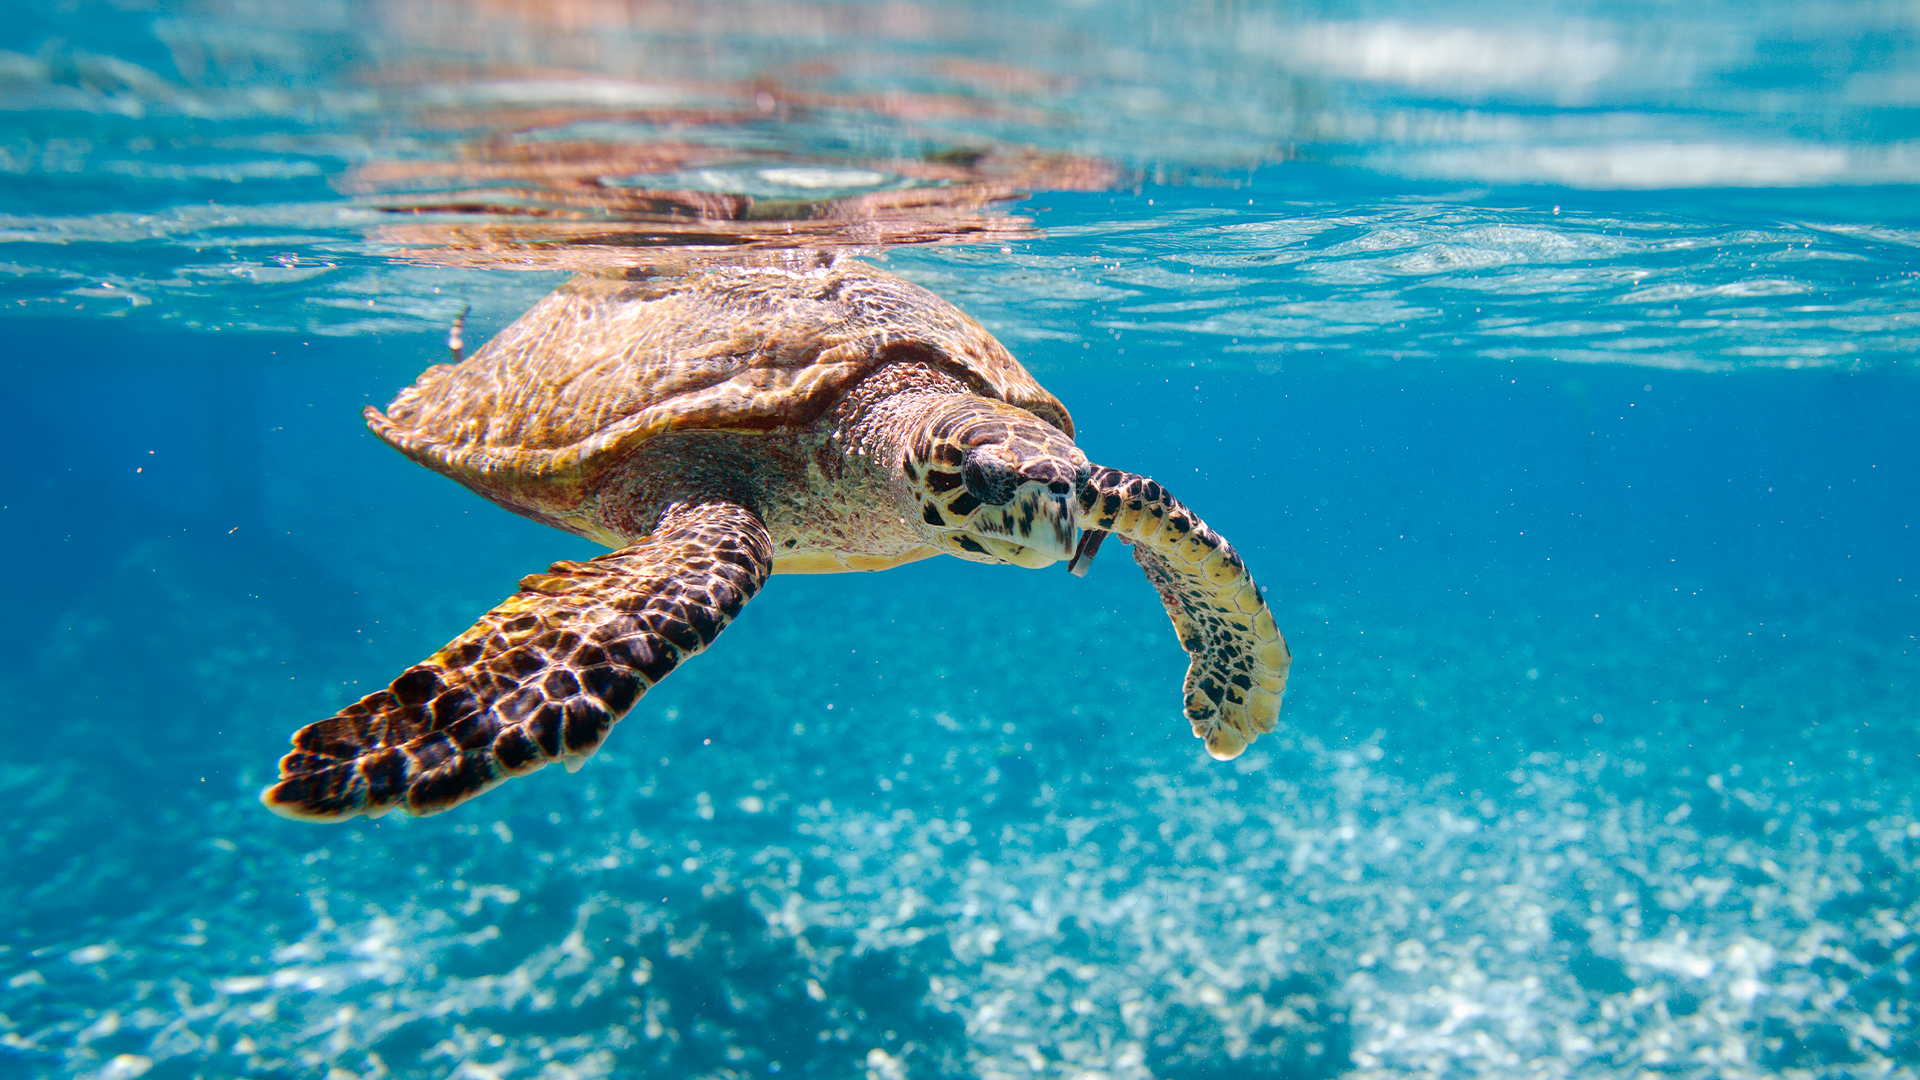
column 884, row 845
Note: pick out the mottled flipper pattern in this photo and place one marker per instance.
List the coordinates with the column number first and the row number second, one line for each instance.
column 540, row 678
column 1239, row 666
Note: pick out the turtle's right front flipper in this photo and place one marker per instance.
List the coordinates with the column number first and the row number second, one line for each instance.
column 539, row 678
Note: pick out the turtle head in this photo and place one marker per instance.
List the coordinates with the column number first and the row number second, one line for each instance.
column 995, row 483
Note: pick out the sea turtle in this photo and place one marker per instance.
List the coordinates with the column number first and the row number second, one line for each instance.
column 713, row 427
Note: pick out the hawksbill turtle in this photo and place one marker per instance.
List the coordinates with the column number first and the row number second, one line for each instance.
column 713, row 427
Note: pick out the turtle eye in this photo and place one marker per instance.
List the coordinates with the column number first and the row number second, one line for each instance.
column 988, row 480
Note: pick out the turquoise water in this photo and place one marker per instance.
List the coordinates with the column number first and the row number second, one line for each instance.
column 1552, row 369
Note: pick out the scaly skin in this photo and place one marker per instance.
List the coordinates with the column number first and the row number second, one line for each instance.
column 540, row 678
column 1240, row 661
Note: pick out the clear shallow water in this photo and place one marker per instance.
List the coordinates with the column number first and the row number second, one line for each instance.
column 1592, row 532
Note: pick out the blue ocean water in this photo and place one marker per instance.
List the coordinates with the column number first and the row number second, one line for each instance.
column 1551, row 367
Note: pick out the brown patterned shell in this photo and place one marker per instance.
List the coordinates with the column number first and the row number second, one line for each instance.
column 606, row 363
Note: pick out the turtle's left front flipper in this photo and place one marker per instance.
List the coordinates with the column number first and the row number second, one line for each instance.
column 540, row 678
column 1239, row 665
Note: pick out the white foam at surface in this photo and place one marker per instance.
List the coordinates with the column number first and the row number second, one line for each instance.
column 1668, row 164
column 1469, row 58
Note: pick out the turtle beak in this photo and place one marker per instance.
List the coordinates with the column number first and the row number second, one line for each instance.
column 1034, row 529
column 1059, row 524
column 1054, row 529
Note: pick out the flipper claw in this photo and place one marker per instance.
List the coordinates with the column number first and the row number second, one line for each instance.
column 1083, row 554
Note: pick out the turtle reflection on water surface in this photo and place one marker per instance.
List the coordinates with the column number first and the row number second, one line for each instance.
column 713, row 428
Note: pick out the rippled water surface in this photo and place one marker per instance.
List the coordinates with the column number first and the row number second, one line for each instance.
column 1550, row 366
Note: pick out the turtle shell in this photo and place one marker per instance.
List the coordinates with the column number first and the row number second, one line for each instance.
column 607, row 363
